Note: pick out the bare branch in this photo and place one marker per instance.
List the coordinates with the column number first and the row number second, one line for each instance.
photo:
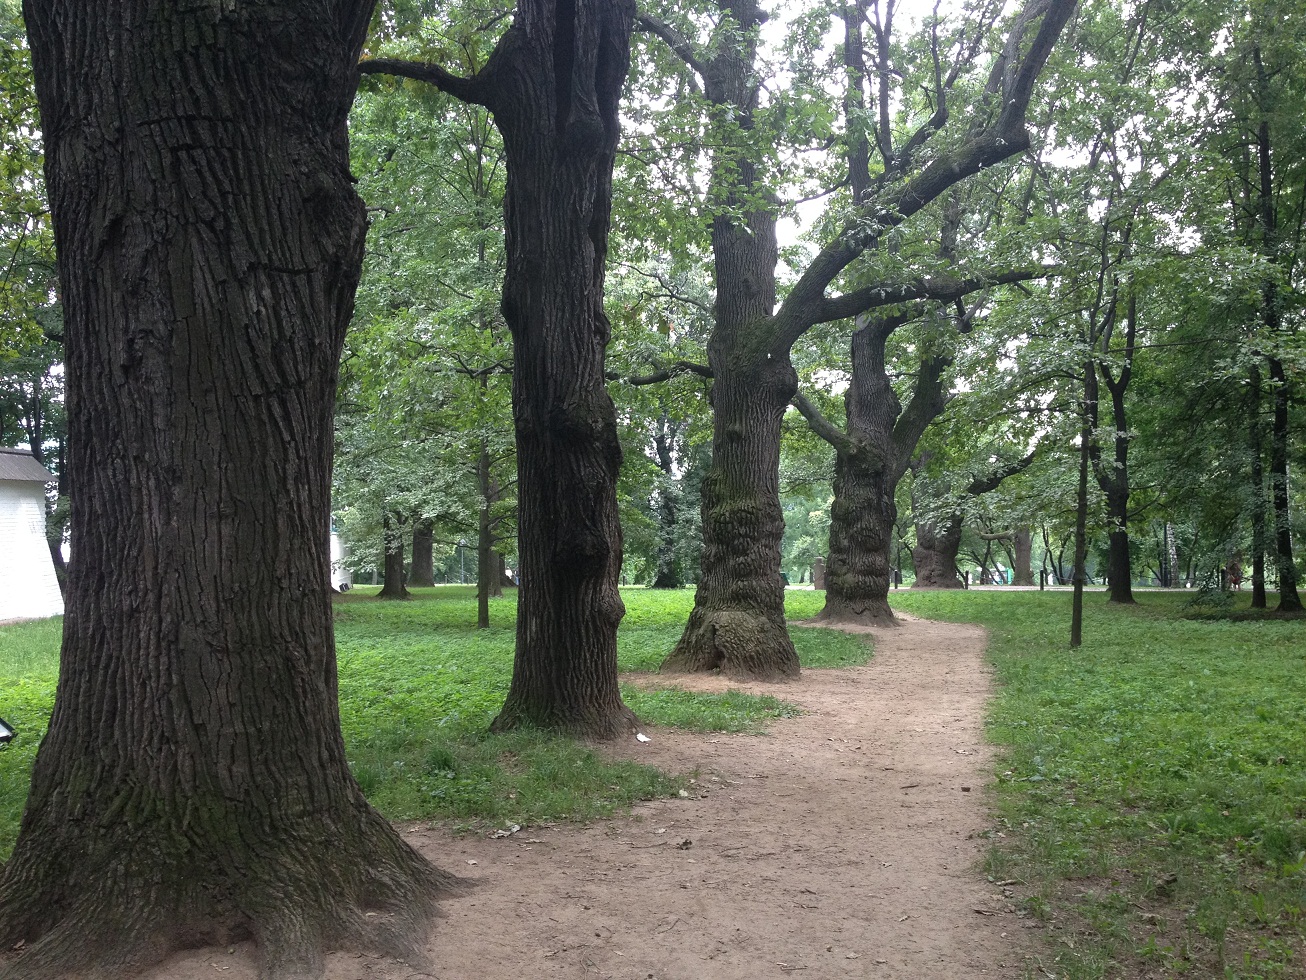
column 676, row 41
column 473, row 89
column 823, row 427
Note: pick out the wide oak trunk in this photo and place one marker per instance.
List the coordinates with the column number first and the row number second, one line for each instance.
column 555, row 102
column 193, row 787
column 862, row 518
column 935, row 554
column 1022, row 547
column 737, row 625
column 421, row 566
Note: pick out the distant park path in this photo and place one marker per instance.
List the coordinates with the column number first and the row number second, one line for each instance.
column 840, row 845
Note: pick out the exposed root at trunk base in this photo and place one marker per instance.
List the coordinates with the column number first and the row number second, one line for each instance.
column 736, row 644
column 313, row 897
column 617, row 721
column 841, row 613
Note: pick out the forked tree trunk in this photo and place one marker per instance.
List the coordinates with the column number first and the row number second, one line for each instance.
column 193, row 787
column 421, row 566
column 667, row 574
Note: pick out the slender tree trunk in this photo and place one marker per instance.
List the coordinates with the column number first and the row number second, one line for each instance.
column 667, row 574
column 1257, row 450
column 487, row 566
column 393, row 564
column 421, row 567
column 1080, row 572
column 555, row 86
column 192, row 787
column 1289, row 600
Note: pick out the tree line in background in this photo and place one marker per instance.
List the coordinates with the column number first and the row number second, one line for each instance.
column 691, row 293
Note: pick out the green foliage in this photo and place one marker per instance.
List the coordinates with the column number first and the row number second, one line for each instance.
column 29, row 670
column 1151, row 782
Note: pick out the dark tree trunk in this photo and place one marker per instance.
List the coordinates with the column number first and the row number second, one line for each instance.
column 421, row 566
column 553, row 84
column 1079, row 574
column 1113, row 475
column 1022, row 566
column 193, row 787
column 1257, row 450
column 1289, row 600
column 1119, row 566
column 487, row 564
column 393, row 563
column 667, row 574
column 935, row 554
column 869, row 462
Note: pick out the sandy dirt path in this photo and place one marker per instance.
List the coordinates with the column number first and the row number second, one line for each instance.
column 839, row 845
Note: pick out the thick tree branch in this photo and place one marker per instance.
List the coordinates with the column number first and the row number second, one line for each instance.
column 823, row 427
column 947, row 288
column 677, row 42
column 984, row 484
column 474, row 89
column 663, row 374
column 991, row 145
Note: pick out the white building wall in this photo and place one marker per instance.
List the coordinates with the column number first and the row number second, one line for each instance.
column 28, row 587
column 341, row 578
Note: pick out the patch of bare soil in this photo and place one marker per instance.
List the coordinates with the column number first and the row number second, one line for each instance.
column 839, row 845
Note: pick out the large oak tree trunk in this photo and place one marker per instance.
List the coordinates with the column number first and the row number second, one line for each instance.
column 862, row 519
column 393, row 562
column 935, row 554
column 193, row 786
column 556, row 88
column 421, row 565
column 737, row 625
column 1022, row 566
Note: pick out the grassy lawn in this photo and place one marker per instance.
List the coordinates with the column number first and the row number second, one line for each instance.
column 418, row 688
column 1151, row 798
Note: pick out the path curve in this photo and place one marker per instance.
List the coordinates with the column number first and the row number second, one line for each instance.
column 839, row 845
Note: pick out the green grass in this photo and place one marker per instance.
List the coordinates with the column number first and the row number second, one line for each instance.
column 1152, row 792
column 418, row 688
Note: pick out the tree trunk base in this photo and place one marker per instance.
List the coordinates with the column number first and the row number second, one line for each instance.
column 932, row 586
column 736, row 644
column 846, row 612
column 299, row 893
column 598, row 723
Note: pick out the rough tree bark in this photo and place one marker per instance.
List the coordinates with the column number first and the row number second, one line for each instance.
column 393, row 563
column 553, row 84
column 870, row 460
column 737, row 625
column 193, row 786
column 1022, row 566
column 421, row 566
column 1256, row 448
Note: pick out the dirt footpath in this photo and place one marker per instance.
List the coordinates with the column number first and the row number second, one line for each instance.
column 840, row 845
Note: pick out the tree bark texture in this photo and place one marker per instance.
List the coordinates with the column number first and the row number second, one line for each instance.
column 870, row 460
column 935, row 554
column 1022, row 566
column 1289, row 599
column 421, row 566
column 193, row 787
column 737, row 625
column 555, row 83
column 393, row 562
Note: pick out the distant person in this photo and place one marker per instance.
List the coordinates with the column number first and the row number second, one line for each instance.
column 1236, row 572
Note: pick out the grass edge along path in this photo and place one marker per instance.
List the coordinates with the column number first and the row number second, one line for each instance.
column 418, row 688
column 1150, row 792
